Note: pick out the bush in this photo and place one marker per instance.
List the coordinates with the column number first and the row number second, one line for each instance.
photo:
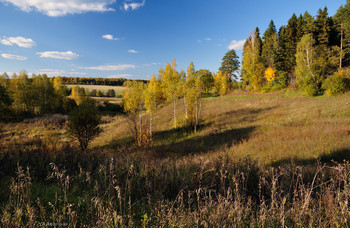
column 110, row 93
column 83, row 123
column 335, row 84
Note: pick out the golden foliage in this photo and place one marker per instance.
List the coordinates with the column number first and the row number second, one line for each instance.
column 270, row 74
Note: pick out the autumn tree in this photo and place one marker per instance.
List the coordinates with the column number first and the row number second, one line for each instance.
column 220, row 84
column 270, row 74
column 151, row 95
column 170, row 85
column 252, row 66
column 78, row 94
column 133, row 102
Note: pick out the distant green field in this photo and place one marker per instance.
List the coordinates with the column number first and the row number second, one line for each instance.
column 118, row 89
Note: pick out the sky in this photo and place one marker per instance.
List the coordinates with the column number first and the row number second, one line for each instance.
column 133, row 38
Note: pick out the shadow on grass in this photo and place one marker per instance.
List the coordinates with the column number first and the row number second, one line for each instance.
column 336, row 156
column 203, row 144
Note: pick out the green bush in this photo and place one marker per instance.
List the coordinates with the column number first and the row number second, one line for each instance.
column 335, row 84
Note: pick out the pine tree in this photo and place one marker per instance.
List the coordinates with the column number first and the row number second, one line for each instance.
column 269, row 47
column 230, row 65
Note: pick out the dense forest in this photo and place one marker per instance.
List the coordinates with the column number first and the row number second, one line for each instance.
column 312, row 53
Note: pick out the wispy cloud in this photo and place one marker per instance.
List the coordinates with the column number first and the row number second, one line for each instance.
column 207, row 39
column 133, row 5
column 236, row 45
column 110, row 37
column 55, row 8
column 110, row 67
column 68, row 55
column 55, row 72
column 150, row 64
column 133, row 51
column 18, row 40
column 16, row 57
column 121, row 76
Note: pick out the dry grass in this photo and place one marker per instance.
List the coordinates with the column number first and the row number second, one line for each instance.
column 187, row 179
column 269, row 128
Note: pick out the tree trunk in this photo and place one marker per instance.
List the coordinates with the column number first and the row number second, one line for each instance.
column 185, row 103
column 174, row 101
column 150, row 124
column 341, row 45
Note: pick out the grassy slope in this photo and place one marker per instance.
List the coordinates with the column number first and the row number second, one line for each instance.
column 267, row 127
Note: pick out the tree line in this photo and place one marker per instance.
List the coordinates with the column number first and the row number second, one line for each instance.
column 95, row 81
column 312, row 53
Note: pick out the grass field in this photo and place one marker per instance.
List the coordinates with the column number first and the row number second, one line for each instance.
column 264, row 160
column 268, row 128
column 118, row 89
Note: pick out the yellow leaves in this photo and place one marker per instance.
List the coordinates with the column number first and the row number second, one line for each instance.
column 270, row 74
column 220, row 83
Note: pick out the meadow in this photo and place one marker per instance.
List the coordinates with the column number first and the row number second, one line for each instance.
column 103, row 88
column 264, row 160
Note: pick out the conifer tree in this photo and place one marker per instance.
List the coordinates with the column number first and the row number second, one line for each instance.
column 269, row 48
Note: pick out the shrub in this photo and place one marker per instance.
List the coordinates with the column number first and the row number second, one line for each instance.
column 110, row 93
column 335, row 84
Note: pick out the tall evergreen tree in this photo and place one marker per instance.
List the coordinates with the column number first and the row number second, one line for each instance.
column 322, row 27
column 269, row 48
column 230, row 65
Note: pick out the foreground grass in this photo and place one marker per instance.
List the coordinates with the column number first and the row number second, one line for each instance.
column 257, row 160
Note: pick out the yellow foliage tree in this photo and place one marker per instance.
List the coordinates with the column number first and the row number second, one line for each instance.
column 220, row 83
column 270, row 74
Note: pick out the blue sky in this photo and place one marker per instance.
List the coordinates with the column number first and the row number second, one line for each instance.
column 133, row 38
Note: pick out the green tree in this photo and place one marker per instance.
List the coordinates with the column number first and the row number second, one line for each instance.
column 5, row 103
column 307, row 77
column 269, row 47
column 83, row 123
column 230, row 65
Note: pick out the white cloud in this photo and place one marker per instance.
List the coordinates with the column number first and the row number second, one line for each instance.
column 16, row 57
column 121, row 76
column 133, row 51
column 110, row 67
column 55, row 8
column 133, row 5
column 236, row 45
column 55, row 72
column 207, row 39
column 110, row 37
column 68, row 55
column 19, row 40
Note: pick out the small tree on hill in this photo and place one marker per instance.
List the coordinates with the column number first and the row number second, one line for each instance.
column 83, row 123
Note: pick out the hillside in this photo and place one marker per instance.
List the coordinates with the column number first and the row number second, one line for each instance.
column 266, row 127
